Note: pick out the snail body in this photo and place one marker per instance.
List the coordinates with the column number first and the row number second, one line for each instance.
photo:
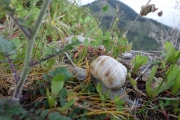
column 109, row 71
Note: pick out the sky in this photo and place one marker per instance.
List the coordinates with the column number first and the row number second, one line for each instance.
column 170, row 8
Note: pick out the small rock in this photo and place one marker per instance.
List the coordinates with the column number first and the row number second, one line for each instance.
column 127, row 55
column 79, row 72
column 119, row 92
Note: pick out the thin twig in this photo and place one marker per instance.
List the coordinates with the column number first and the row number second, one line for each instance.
column 100, row 13
column 28, row 56
column 44, row 59
column 66, row 48
column 131, row 25
column 112, row 21
column 165, row 31
column 26, row 32
column 133, row 22
column 16, row 76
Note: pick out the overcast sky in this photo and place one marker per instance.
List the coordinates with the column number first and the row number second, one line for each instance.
column 170, row 8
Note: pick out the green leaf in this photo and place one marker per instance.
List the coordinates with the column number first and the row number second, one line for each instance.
column 99, row 39
column 105, row 8
column 107, row 94
column 163, row 65
column 62, row 96
column 175, row 103
column 171, row 56
column 33, row 3
column 67, row 105
column 54, row 116
column 93, row 43
column 16, row 42
column 46, row 77
column 118, row 101
column 5, row 117
column 57, row 84
column 64, row 71
column 43, row 114
column 99, row 88
column 155, row 107
column 149, row 81
column 61, row 70
column 47, row 50
column 51, row 62
column 175, row 57
column 7, row 107
column 15, row 109
column 22, row 116
column 133, row 82
column 64, row 118
column 172, row 72
column 176, row 85
column 86, row 42
column 51, row 98
column 169, row 47
column 87, row 19
column 171, row 76
column 161, row 104
column 168, row 102
column 139, row 61
column 7, row 47
column 38, row 111
column 6, row 6
column 74, row 42
column 57, row 116
column 107, row 35
column 177, row 110
column 92, row 88
column 107, row 44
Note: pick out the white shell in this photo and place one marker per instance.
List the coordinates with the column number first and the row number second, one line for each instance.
column 109, row 71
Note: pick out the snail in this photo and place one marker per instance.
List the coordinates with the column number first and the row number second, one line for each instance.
column 98, row 68
column 109, row 71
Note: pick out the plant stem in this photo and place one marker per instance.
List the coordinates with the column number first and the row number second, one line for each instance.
column 131, row 25
column 28, row 56
column 16, row 76
column 66, row 48
column 133, row 22
column 113, row 19
column 26, row 32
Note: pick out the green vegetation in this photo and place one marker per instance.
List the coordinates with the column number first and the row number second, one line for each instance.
column 145, row 32
column 37, row 59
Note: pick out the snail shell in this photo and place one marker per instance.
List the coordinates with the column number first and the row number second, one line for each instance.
column 109, row 71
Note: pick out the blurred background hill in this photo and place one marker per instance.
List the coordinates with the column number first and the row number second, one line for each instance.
column 145, row 34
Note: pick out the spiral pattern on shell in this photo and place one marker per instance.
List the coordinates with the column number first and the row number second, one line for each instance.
column 109, row 71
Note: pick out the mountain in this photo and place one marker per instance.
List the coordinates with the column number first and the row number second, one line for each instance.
column 145, row 34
